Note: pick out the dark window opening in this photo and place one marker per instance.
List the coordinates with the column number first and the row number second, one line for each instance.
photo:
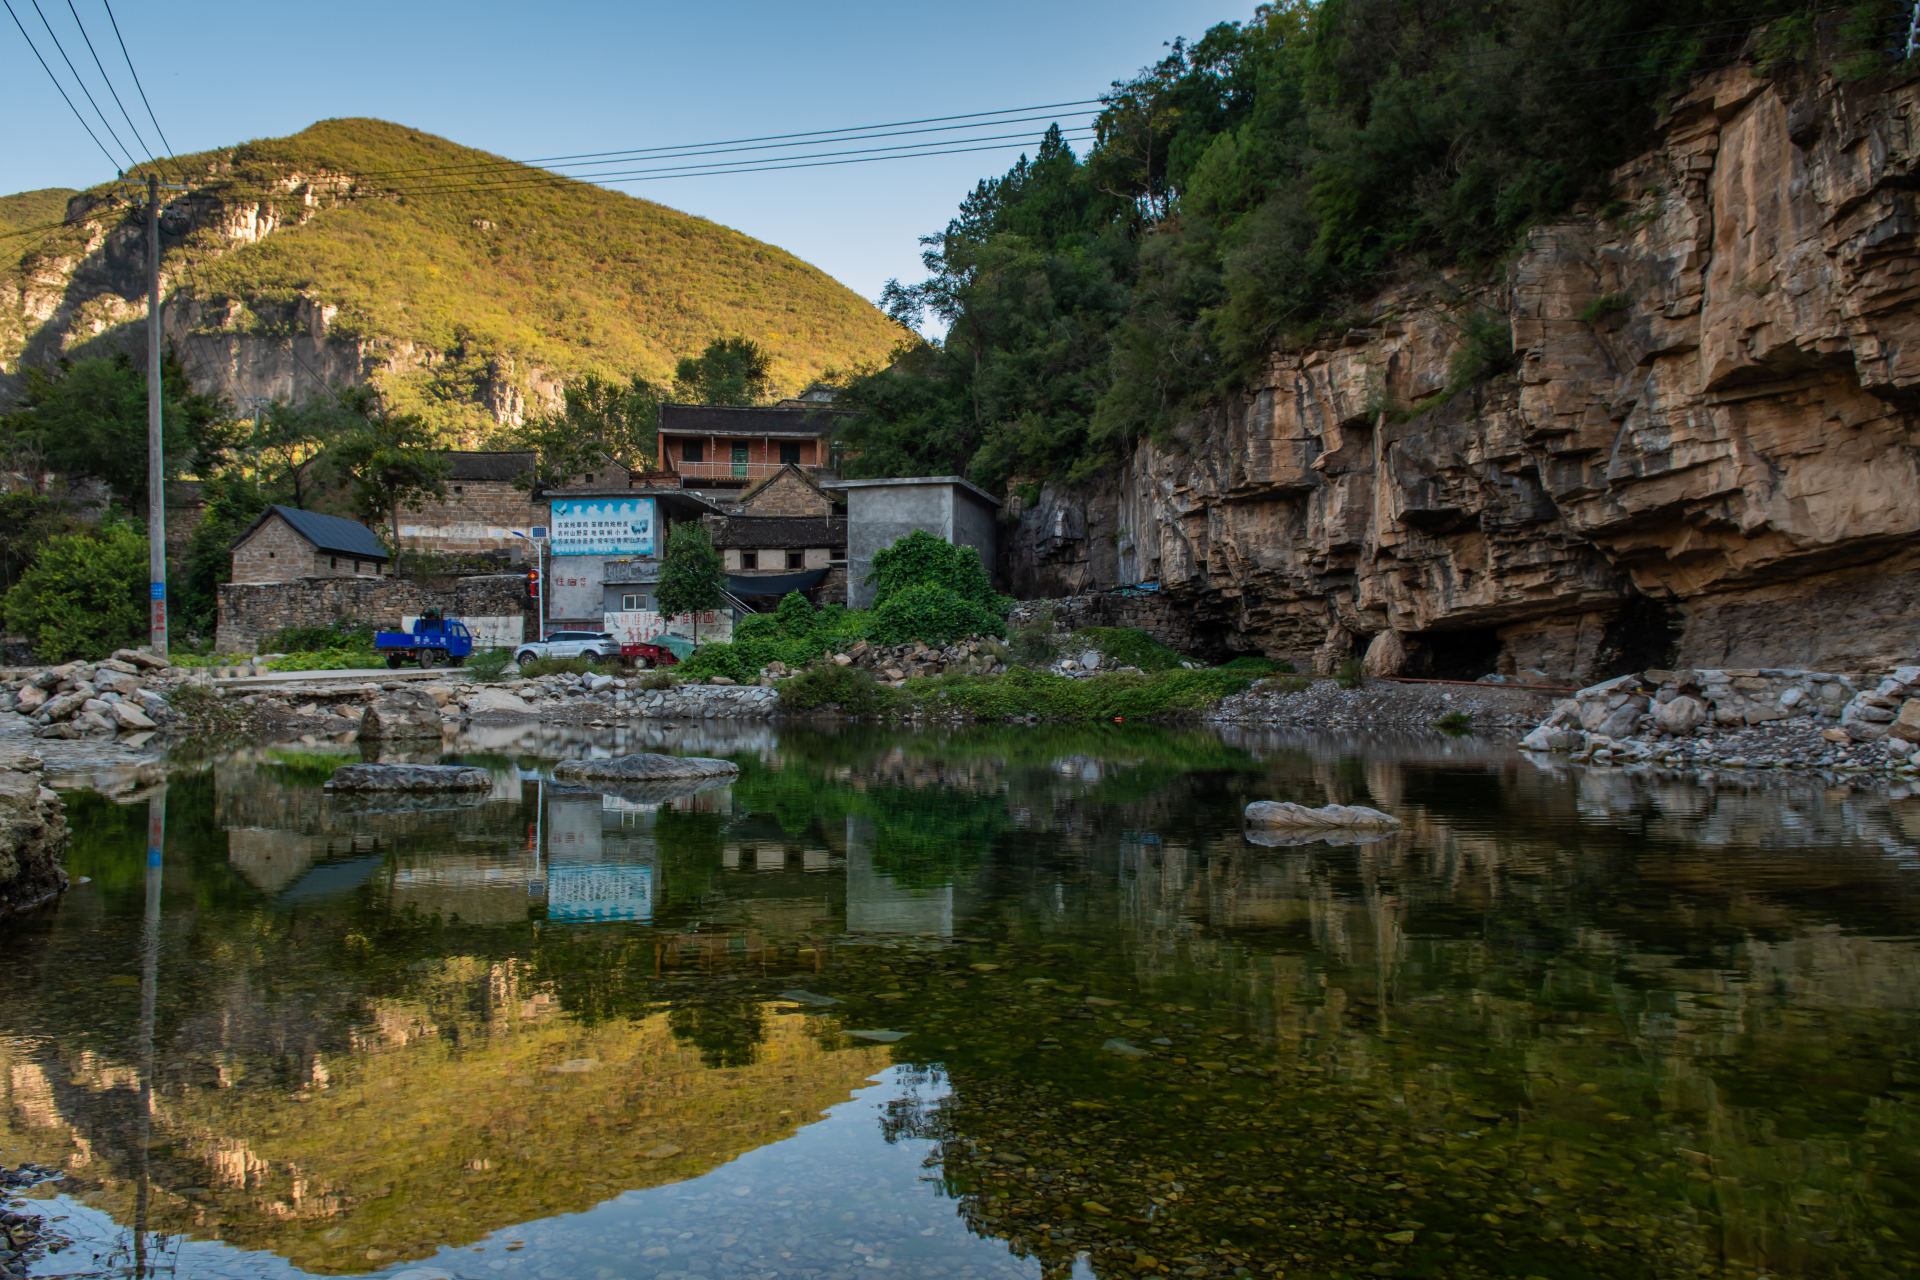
column 749, row 559
column 459, row 488
column 796, row 559
column 692, row 451
column 333, row 562
column 790, row 453
column 589, row 479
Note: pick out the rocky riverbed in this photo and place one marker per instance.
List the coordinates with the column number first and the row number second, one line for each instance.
column 1705, row 722
column 1379, row 704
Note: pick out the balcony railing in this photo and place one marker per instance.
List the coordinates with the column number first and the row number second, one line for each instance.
column 728, row 470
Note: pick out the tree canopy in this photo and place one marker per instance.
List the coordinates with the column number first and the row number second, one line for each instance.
column 1252, row 187
column 731, row 371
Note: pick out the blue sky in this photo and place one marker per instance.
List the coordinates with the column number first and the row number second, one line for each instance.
column 531, row 81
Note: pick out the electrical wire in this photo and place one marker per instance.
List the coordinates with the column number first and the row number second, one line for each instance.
column 136, row 78
column 61, row 50
column 108, row 80
column 57, row 85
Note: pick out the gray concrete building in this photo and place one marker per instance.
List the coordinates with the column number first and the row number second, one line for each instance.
column 881, row 512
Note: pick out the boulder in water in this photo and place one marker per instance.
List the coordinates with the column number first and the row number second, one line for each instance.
column 410, row 777
column 1270, row 815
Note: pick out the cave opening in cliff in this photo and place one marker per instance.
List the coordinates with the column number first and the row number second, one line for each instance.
column 1645, row 633
column 1461, row 655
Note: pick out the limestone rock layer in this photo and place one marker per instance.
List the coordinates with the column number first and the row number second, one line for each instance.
column 1707, row 454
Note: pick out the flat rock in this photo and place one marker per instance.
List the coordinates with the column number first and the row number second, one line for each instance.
column 410, row 777
column 404, row 713
column 645, row 768
column 1279, row 815
column 484, row 701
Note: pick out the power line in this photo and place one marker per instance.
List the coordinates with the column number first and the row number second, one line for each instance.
column 98, row 65
column 62, row 88
column 61, row 50
column 136, row 78
column 821, row 135
column 721, row 167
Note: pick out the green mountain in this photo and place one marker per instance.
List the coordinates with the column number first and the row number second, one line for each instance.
column 465, row 285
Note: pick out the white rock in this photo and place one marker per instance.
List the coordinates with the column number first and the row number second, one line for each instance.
column 130, row 716
column 1270, row 814
column 1682, row 715
column 1090, row 659
column 496, row 700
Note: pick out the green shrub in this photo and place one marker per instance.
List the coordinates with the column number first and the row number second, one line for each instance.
column 1296, row 684
column 932, row 613
column 795, row 634
column 1033, row 642
column 1254, row 664
column 1605, row 305
column 1350, row 674
column 342, row 633
column 655, row 678
column 1486, row 349
column 1022, row 692
column 920, row 559
column 1456, row 723
column 850, row 689
column 84, row 596
column 335, row 659
column 487, row 665
column 1129, row 646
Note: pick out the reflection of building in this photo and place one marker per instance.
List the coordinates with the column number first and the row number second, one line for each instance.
column 876, row 905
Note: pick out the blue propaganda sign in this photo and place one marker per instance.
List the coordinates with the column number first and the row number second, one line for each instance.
column 603, row 527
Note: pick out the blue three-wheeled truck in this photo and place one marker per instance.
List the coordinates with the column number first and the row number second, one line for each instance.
column 432, row 641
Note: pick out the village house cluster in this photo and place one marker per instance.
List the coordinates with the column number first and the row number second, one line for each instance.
column 762, row 481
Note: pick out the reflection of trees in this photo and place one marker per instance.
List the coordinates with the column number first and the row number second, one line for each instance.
column 725, row 1034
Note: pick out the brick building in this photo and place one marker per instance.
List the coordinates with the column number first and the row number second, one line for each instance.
column 286, row 544
column 719, row 447
column 785, row 534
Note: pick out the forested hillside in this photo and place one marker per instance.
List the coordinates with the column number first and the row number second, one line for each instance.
column 1253, row 188
column 469, row 287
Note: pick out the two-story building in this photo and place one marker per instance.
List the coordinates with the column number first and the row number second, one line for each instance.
column 721, row 448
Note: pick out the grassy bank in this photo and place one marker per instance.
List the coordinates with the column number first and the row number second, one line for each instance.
column 1018, row 694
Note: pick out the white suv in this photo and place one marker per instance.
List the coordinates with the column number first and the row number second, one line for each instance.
column 591, row 645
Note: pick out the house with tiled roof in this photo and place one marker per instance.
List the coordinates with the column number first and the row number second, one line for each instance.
column 285, row 544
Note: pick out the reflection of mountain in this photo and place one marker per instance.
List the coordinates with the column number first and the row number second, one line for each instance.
column 470, row 1108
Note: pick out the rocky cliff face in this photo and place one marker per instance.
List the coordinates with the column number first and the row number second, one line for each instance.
column 1708, row 454
column 93, row 294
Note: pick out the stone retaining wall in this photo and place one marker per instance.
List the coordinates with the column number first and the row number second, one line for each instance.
column 250, row 611
column 1153, row 613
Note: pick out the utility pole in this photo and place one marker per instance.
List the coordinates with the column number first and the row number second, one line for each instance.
column 156, row 469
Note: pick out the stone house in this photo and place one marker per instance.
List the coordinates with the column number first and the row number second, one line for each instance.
column 785, row 534
column 286, row 544
column 483, row 508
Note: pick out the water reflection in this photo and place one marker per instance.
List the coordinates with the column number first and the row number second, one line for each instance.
column 1577, row 1024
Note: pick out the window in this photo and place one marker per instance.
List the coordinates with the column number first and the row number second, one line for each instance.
column 356, row 566
column 790, row 453
column 692, row 451
column 796, row 559
column 589, row 479
column 632, row 604
column 459, row 488
column 269, row 555
column 333, row 562
column 749, row 559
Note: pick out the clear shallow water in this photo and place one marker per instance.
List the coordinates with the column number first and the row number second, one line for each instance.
column 1569, row 1024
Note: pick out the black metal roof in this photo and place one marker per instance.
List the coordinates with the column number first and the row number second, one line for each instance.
column 326, row 533
column 809, row 423
column 505, row 465
column 779, row 531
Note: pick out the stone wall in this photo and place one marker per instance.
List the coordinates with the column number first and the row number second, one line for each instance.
column 475, row 517
column 250, row 611
column 1707, row 453
column 1175, row 628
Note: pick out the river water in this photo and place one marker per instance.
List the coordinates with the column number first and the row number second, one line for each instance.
column 997, row 1002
